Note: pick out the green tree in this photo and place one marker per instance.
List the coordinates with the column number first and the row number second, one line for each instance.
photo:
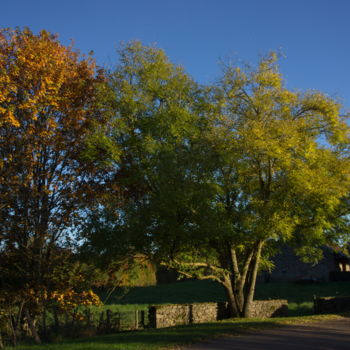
column 212, row 179
column 279, row 170
column 155, row 122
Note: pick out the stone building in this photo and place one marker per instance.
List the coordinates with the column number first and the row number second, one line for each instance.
column 290, row 268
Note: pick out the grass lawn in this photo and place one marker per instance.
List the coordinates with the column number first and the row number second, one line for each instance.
column 299, row 296
column 181, row 292
column 170, row 338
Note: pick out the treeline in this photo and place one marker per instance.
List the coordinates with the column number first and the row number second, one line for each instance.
column 100, row 170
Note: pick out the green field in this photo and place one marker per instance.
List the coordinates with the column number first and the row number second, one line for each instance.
column 299, row 296
column 138, row 298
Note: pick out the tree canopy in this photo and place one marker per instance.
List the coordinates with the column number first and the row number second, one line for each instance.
column 227, row 171
column 142, row 163
column 280, row 170
column 49, row 105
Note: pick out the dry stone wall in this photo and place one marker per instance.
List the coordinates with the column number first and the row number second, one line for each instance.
column 269, row 308
column 331, row 305
column 161, row 316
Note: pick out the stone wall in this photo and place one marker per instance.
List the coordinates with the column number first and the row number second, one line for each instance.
column 260, row 309
column 168, row 315
column 203, row 312
column 269, row 308
column 331, row 305
column 161, row 316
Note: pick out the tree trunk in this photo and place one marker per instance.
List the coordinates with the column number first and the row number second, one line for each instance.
column 19, row 316
column 239, row 278
column 1, row 343
column 232, row 302
column 32, row 327
column 44, row 325
column 13, row 329
column 56, row 319
column 251, row 287
column 238, row 292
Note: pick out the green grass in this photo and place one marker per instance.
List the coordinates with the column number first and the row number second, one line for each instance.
column 138, row 298
column 157, row 339
column 172, row 293
column 120, row 307
column 299, row 296
column 301, row 292
column 206, row 291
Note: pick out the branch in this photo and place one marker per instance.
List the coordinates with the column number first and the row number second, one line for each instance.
column 246, row 267
column 206, row 277
column 199, row 265
column 234, row 262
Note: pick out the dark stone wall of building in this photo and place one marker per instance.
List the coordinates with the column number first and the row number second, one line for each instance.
column 290, row 268
column 331, row 305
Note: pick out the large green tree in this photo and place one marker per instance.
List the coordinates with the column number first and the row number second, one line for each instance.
column 279, row 170
column 214, row 178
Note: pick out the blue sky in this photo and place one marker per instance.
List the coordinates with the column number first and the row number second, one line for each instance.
column 312, row 34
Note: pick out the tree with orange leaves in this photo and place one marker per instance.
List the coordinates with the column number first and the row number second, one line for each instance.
column 49, row 105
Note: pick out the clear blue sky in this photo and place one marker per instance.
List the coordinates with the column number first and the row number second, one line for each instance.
column 313, row 34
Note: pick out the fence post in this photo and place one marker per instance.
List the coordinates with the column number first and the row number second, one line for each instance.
column 136, row 319
column 143, row 319
column 118, row 323
column 88, row 317
column 315, row 304
column 56, row 319
column 100, row 325
column 108, row 320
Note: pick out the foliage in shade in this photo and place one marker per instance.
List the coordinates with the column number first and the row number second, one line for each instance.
column 49, row 105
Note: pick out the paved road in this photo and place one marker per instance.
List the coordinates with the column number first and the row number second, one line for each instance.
column 327, row 335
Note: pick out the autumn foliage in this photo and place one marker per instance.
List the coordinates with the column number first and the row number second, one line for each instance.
column 48, row 108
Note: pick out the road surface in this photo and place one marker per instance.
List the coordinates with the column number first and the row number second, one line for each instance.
column 326, row 335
